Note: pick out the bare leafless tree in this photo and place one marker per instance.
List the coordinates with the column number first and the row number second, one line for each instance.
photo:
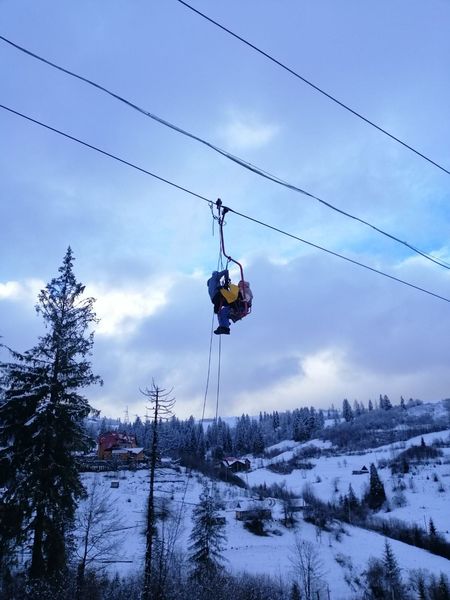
column 308, row 569
column 99, row 534
column 161, row 404
column 166, row 518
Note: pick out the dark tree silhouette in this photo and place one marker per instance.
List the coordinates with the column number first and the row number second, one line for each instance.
column 207, row 537
column 376, row 495
column 42, row 422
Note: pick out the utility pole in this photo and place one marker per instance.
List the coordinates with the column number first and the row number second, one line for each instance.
column 162, row 405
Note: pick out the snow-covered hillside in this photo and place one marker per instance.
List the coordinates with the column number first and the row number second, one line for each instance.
column 427, row 490
column 272, row 554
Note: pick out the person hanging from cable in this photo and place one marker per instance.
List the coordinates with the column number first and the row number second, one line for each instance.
column 230, row 301
column 222, row 295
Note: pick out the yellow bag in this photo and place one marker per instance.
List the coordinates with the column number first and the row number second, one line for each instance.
column 232, row 294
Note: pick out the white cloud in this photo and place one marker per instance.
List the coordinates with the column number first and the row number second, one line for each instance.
column 21, row 291
column 244, row 131
column 321, row 377
column 121, row 310
column 10, row 289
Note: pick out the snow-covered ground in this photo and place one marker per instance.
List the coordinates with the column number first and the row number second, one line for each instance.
column 272, row 554
column 427, row 489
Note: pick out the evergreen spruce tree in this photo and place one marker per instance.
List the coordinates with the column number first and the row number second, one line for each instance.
column 376, row 495
column 350, row 505
column 385, row 403
column 207, row 537
column 357, row 408
column 295, row 592
column 432, row 528
column 258, row 443
column 443, row 588
column 347, row 411
column 275, row 420
column 352, row 499
column 301, row 425
column 320, row 421
column 392, row 575
column 242, row 435
column 421, row 587
column 41, row 422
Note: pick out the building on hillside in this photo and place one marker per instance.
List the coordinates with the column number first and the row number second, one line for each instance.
column 113, row 440
column 297, row 505
column 235, row 465
column 253, row 513
column 363, row 471
column 128, row 454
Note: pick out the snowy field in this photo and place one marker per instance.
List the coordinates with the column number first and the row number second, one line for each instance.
column 273, row 554
column 425, row 497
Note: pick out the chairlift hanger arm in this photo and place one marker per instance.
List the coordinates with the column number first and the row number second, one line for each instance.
column 222, row 210
column 244, row 304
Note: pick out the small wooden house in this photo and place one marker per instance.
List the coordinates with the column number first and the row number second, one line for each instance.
column 128, row 454
column 235, row 465
column 253, row 513
column 298, row 505
column 363, row 471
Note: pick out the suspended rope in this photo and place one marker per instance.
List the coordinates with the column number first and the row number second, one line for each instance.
column 218, row 382
column 219, row 265
column 205, row 396
column 188, row 472
column 209, row 370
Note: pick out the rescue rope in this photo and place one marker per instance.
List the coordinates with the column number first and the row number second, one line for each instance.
column 188, row 472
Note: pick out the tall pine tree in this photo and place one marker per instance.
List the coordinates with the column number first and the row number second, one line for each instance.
column 394, row 587
column 347, row 411
column 41, row 422
column 207, row 537
column 376, row 496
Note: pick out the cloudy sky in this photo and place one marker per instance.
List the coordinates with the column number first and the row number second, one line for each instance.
column 322, row 329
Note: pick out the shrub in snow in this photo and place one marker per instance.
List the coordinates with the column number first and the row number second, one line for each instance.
column 257, row 520
column 399, row 499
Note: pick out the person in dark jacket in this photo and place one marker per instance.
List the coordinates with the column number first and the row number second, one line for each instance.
column 219, row 299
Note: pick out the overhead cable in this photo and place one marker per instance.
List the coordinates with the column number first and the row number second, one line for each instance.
column 243, row 163
column 240, row 214
column 315, row 87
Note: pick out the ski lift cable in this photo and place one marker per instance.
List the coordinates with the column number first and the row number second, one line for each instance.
column 315, row 87
column 209, row 202
column 241, row 162
column 346, row 258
